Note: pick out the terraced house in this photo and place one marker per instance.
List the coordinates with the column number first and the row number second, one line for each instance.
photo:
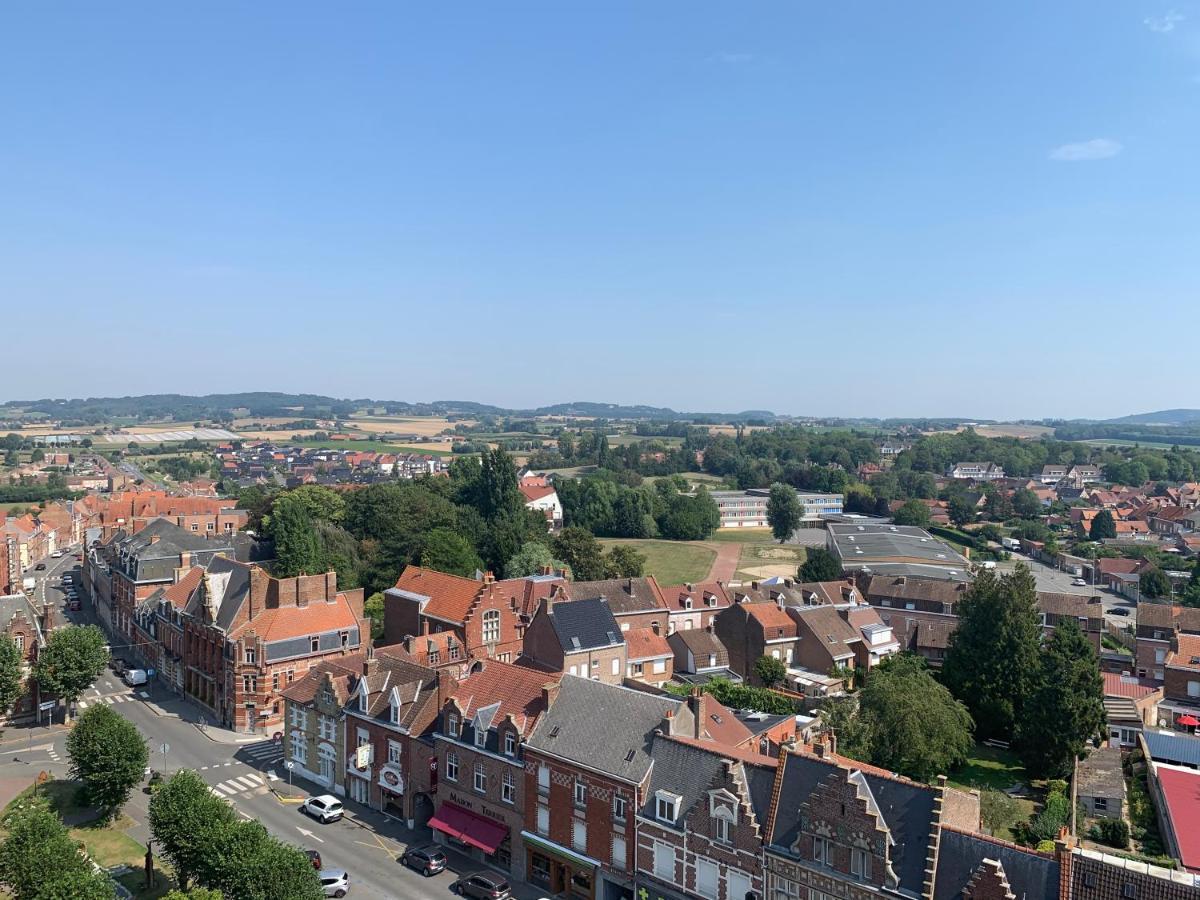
column 312, row 736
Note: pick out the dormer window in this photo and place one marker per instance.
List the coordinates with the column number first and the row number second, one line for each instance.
column 395, row 713
column 250, row 656
column 362, row 700
column 452, row 725
column 510, row 744
column 480, row 736
column 687, row 602
column 666, row 806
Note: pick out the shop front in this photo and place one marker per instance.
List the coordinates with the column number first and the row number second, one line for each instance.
column 391, row 791
column 559, row 870
column 479, row 837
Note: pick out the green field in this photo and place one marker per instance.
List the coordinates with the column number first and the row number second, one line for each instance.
column 671, row 562
column 743, row 535
column 1117, row 442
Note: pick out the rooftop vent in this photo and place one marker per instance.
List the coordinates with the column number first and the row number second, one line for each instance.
column 554, row 732
column 575, row 643
column 629, row 756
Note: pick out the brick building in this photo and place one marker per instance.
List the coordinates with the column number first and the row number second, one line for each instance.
column 754, row 629
column 313, row 712
column 693, row 606
column 480, row 743
column 1157, row 625
column 28, row 628
column 580, row 637
column 648, row 656
column 634, row 602
column 487, row 616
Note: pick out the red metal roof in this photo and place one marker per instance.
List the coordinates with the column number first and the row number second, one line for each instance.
column 1182, row 792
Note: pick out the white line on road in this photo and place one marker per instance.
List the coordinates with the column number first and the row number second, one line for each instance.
column 307, row 833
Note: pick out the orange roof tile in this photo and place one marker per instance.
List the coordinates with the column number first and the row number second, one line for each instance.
column 536, row 492
column 643, row 643
column 1188, row 654
column 450, row 596
column 771, row 616
column 282, row 623
column 517, row 689
column 180, row 591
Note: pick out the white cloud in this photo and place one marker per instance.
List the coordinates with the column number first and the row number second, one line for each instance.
column 1097, row 148
column 1164, row 23
column 731, row 57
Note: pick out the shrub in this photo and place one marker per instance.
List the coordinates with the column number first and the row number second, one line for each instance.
column 1114, row 832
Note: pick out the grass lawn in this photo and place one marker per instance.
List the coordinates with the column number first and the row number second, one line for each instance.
column 107, row 845
column 743, row 535
column 672, row 562
column 989, row 767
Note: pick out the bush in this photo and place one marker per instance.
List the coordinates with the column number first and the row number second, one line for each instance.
column 1114, row 832
column 998, row 811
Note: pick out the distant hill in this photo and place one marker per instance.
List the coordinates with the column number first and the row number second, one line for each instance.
column 1174, row 417
column 185, row 408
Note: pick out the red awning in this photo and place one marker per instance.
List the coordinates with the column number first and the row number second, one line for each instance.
column 469, row 828
column 1188, row 721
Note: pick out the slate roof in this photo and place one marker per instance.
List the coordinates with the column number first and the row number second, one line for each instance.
column 1031, row 875
column 585, row 625
column 156, row 560
column 344, row 669
column 625, row 595
column 689, row 770
column 12, row 605
column 604, row 726
column 417, row 687
column 905, row 807
column 224, row 587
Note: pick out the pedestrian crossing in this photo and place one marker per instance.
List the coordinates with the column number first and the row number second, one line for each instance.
column 237, row 785
column 262, row 754
column 111, row 699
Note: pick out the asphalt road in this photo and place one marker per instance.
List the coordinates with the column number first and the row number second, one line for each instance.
column 248, row 775
column 1049, row 578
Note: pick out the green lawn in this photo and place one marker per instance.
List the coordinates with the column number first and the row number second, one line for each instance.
column 989, row 767
column 743, row 535
column 672, row 562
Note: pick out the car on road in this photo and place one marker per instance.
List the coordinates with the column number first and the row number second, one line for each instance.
column 135, row 677
column 483, row 886
column 40, row 567
column 1079, row 582
column 325, row 808
column 1119, row 611
column 119, row 666
column 57, row 554
column 335, row 882
column 314, row 857
column 428, row 860
column 73, row 605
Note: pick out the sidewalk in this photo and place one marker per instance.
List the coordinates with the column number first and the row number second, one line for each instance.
column 394, row 829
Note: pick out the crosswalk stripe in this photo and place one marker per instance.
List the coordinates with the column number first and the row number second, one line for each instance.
column 244, row 782
column 257, row 779
column 82, row 704
column 226, row 789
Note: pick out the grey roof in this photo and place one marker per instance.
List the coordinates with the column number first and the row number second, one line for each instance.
column 585, row 625
column 603, row 726
column 224, row 587
column 689, row 771
column 155, row 550
column 18, row 604
column 705, row 677
column 1100, row 775
column 1030, row 875
column 1168, row 747
column 905, row 807
column 625, row 595
column 859, row 545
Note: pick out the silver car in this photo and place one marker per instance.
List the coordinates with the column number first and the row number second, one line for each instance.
column 335, row 882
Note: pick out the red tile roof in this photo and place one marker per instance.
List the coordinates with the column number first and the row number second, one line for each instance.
column 698, row 593
column 536, row 492
column 1181, row 789
column 643, row 643
column 450, row 596
column 179, row 593
column 282, row 623
column 772, row 618
column 1118, row 685
column 517, row 689
column 1188, row 654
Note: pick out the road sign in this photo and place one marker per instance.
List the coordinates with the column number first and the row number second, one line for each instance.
column 165, row 748
column 150, row 673
column 289, row 765
column 47, row 704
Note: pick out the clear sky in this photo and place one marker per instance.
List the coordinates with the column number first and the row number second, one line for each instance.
column 977, row 209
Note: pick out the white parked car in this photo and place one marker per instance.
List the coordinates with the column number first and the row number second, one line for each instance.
column 325, row 809
column 335, row 882
column 57, row 554
column 1079, row 582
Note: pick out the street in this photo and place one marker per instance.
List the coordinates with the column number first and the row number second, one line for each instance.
column 1049, row 578
column 246, row 771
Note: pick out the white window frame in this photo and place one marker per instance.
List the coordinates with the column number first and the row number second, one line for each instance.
column 510, row 744
column 508, row 788
column 491, row 626
column 452, row 766
column 480, row 778
column 664, row 803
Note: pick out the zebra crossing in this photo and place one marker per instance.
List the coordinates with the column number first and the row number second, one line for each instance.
column 111, row 699
column 237, row 785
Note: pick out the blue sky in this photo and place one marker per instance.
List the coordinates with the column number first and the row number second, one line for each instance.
column 817, row 208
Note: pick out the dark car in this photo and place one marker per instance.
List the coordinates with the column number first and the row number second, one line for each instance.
column 39, row 567
column 119, row 666
column 314, row 857
column 427, row 860
column 483, row 886
column 1119, row 611
column 73, row 604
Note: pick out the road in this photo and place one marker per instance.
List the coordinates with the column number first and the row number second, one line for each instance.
column 245, row 771
column 1049, row 578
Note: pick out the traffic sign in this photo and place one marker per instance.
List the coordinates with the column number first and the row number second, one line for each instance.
column 289, row 765
column 165, row 748
column 47, row 704
column 150, row 673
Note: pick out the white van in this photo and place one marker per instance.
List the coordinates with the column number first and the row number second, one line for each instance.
column 135, row 677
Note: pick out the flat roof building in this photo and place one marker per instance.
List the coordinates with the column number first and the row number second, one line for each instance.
column 748, row 509
column 895, row 550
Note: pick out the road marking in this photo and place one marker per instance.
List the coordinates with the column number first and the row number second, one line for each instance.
column 244, row 782
column 82, row 704
column 143, row 695
column 307, row 833
column 228, row 764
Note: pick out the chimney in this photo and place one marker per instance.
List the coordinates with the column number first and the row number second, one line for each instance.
column 668, row 723
column 655, row 627
column 446, row 683
column 47, row 618
column 185, row 560
column 154, row 539
column 754, row 585
column 370, row 665
column 698, row 703
column 691, row 589
column 489, row 578
column 549, row 693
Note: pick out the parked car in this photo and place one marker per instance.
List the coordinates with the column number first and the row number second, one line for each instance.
column 1119, row 611
column 335, row 882
column 325, row 808
column 314, row 856
column 73, row 605
column 119, row 666
column 57, row 554
column 428, row 860
column 136, row 677
column 483, row 886
column 1079, row 582
column 40, row 567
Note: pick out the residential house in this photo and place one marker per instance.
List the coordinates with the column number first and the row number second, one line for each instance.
column 540, row 495
column 831, row 638
column 753, row 629
column 701, row 822
column 1100, row 784
column 1174, row 790
column 692, row 606
column 1130, row 705
column 1157, row 625
column 1053, row 473
column 481, row 733
column 700, row 656
column 487, row 616
column 587, row 772
column 929, row 640
column 1088, row 613
column 976, row 471
column 902, row 600
column 27, row 627
column 312, row 738
column 1180, row 706
column 580, row 637
column 635, row 602
column 393, row 704
column 648, row 656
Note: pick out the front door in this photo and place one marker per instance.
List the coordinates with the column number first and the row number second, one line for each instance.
column 358, row 790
